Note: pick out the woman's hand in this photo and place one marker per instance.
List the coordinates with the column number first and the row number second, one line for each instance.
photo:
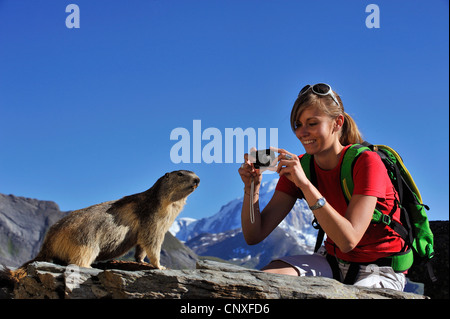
column 248, row 172
column 275, row 211
column 289, row 165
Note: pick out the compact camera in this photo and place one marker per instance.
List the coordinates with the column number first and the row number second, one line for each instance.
column 263, row 158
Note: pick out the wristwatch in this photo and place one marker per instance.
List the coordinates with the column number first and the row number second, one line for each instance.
column 319, row 204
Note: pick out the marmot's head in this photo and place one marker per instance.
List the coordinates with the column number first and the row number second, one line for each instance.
column 179, row 184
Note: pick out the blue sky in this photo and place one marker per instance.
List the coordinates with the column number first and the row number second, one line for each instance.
column 86, row 113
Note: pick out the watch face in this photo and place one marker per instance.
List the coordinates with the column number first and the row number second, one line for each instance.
column 321, row 202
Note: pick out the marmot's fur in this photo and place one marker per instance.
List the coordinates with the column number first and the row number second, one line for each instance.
column 108, row 230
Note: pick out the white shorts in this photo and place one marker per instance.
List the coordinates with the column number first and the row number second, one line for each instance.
column 371, row 276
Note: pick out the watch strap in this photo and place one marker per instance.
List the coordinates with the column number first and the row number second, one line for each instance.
column 319, row 204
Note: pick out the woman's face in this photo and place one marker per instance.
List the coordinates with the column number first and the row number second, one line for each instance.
column 315, row 130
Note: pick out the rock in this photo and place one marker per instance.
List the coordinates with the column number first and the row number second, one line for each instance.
column 175, row 255
column 209, row 280
column 440, row 264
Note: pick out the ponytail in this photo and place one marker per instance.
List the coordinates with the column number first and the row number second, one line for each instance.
column 350, row 133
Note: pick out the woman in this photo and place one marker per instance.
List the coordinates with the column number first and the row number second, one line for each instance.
column 326, row 131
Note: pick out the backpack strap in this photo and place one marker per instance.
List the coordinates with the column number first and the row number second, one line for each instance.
column 346, row 173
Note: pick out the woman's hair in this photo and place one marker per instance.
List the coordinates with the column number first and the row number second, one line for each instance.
column 350, row 133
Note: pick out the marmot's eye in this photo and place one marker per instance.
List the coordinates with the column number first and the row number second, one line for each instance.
column 180, row 174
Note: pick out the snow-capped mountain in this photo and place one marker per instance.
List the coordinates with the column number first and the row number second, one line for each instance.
column 220, row 235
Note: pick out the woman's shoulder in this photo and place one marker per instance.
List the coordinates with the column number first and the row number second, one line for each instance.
column 369, row 157
column 369, row 162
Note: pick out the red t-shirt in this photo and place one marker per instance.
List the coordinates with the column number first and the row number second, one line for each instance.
column 369, row 178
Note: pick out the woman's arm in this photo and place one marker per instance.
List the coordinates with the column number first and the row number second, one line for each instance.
column 273, row 214
column 346, row 231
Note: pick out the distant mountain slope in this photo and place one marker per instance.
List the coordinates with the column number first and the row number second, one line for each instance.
column 23, row 224
column 231, row 246
column 229, row 217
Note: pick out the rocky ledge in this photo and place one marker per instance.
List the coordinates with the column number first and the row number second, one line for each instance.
column 128, row 280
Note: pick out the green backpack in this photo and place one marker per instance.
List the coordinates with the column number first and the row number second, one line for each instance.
column 414, row 227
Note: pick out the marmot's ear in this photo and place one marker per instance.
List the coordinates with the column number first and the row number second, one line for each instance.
column 167, row 175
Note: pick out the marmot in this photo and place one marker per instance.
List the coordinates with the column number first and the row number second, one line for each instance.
column 108, row 230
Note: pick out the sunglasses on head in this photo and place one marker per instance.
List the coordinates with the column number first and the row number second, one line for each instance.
column 319, row 89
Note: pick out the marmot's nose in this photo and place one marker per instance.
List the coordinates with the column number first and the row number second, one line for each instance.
column 196, row 181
